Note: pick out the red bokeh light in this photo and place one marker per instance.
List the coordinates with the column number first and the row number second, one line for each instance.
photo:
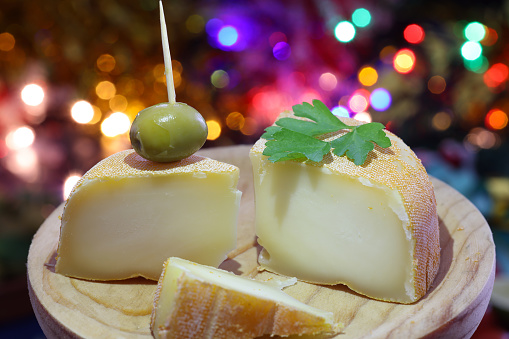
column 496, row 75
column 414, row 34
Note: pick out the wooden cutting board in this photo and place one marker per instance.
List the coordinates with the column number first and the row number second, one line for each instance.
column 452, row 308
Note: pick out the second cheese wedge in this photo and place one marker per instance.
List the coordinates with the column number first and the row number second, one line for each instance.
column 127, row 215
column 372, row 227
column 195, row 301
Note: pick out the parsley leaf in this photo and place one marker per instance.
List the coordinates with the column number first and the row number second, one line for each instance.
column 360, row 141
column 323, row 121
column 294, row 139
column 288, row 145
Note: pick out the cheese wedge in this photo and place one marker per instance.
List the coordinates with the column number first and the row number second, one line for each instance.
column 196, row 301
column 372, row 227
column 127, row 215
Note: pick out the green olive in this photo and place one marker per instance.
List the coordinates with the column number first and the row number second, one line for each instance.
column 168, row 132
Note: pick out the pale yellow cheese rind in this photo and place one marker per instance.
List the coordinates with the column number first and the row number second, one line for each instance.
column 127, row 215
column 398, row 169
column 195, row 301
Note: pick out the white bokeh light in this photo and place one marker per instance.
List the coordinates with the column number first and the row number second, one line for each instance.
column 32, row 95
column 117, row 123
column 82, row 112
column 69, row 183
column 21, row 137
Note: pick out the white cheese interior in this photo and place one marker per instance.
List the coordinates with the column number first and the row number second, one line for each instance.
column 115, row 229
column 332, row 228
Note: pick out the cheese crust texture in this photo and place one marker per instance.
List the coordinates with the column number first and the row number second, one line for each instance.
column 372, row 227
column 127, row 215
column 196, row 301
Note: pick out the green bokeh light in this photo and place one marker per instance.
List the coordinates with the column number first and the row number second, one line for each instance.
column 479, row 65
column 474, row 31
column 361, row 17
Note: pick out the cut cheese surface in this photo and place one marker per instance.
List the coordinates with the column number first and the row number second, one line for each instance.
column 196, row 301
column 372, row 227
column 127, row 215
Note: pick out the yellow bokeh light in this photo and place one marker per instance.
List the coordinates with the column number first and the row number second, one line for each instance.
column 116, row 124
column 250, row 126
column 327, row 81
column 134, row 107
column 177, row 66
column 105, row 90
column 21, row 137
column 32, row 95
column 368, row 76
column 7, row 42
column 441, row 121
column 195, row 23
column 214, row 130
column 404, row 61
column 69, row 184
column 82, row 112
column 235, row 121
column 158, row 72
column 436, row 84
column 118, row 103
column 387, row 54
column 106, row 63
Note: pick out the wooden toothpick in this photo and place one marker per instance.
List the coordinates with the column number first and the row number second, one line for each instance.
column 168, row 70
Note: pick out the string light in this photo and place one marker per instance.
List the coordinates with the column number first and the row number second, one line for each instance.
column 220, row 79
column 214, row 129
column 380, row 99
column 69, row 184
column 436, row 84
column 344, row 31
column 340, row 111
column 327, row 81
column 404, row 61
column 228, row 36
column 7, row 42
column 195, row 23
column 474, row 31
column 82, row 112
column 276, row 37
column 235, row 121
column 281, row 50
column 496, row 75
column 496, row 119
column 359, row 101
column 441, row 121
column 479, row 65
column 414, row 34
column 21, row 137
column 116, row 124
column 363, row 116
column 106, row 63
column 105, row 90
column 368, row 76
column 471, row 50
column 32, row 95
column 361, row 17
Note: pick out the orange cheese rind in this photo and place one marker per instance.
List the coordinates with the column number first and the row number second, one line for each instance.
column 202, row 308
column 396, row 167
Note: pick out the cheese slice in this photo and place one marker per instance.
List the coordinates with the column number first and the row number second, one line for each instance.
column 196, row 301
column 127, row 215
column 372, row 227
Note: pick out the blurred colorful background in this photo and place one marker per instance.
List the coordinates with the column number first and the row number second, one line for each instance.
column 74, row 73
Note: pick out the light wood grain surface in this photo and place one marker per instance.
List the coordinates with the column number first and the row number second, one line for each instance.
column 452, row 308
